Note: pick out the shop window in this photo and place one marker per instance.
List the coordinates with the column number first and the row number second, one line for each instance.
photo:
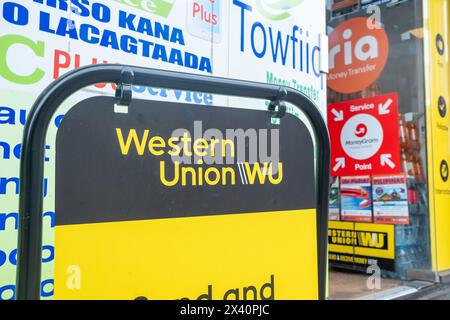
column 388, row 59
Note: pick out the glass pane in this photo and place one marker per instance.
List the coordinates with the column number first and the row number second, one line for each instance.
column 387, row 59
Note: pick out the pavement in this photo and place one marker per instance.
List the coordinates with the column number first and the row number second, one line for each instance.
column 432, row 292
column 345, row 285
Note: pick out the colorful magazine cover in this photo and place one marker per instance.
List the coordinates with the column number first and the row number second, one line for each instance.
column 356, row 199
column 390, row 199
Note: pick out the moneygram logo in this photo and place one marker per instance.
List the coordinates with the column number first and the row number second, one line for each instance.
column 361, row 130
column 159, row 7
column 357, row 55
column 358, row 141
column 276, row 9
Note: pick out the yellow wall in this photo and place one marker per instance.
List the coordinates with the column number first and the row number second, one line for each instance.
column 436, row 14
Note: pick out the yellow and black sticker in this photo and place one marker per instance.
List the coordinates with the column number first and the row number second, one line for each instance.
column 142, row 213
column 362, row 244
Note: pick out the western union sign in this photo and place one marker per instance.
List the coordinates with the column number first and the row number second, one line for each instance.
column 159, row 203
column 361, row 244
column 363, row 239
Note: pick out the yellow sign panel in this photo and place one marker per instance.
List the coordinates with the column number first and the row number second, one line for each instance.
column 375, row 240
column 361, row 243
column 438, row 140
column 248, row 257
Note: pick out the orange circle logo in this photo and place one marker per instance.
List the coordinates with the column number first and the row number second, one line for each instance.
column 359, row 49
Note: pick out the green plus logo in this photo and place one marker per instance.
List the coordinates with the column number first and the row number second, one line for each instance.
column 276, row 9
column 159, row 7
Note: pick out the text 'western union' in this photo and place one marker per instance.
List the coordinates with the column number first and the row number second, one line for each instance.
column 366, row 239
column 199, row 173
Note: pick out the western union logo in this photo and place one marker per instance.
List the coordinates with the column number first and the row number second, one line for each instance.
column 147, row 165
column 364, row 239
column 173, row 173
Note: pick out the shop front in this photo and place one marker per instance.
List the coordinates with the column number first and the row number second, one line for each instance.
column 388, row 121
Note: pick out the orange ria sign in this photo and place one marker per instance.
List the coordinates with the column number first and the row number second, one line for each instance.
column 359, row 49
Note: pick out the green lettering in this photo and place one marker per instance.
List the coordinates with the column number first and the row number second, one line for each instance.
column 38, row 48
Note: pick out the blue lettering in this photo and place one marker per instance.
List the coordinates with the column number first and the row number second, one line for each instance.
column 208, row 99
column 52, row 3
column 178, row 94
column 58, row 120
column 2, row 258
column 294, row 44
column 146, row 47
column 79, row 7
column 177, row 36
column 100, row 12
column 5, row 289
column 48, row 255
column 303, row 53
column 138, row 89
column 188, row 96
column 44, row 284
column 6, row 149
column 198, row 97
column 152, row 91
column 263, row 51
column 15, row 13
column 159, row 53
column 88, row 33
column 44, row 23
column 109, row 39
column 163, row 93
column 7, row 115
column 51, row 215
column 205, row 65
column 4, row 184
column 126, row 20
column 51, row 254
column 8, row 292
column 162, row 31
column 5, row 181
column 315, row 59
column 243, row 7
column 128, row 44
column 307, row 58
column 18, row 151
column 175, row 57
column 145, row 27
column 191, row 60
column 13, row 257
column 279, row 46
column 6, row 154
column 67, row 27
column 14, row 216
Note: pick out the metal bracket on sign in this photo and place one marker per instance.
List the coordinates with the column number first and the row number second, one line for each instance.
column 277, row 107
column 124, row 91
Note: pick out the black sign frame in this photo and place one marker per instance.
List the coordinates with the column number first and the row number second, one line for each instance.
column 33, row 150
